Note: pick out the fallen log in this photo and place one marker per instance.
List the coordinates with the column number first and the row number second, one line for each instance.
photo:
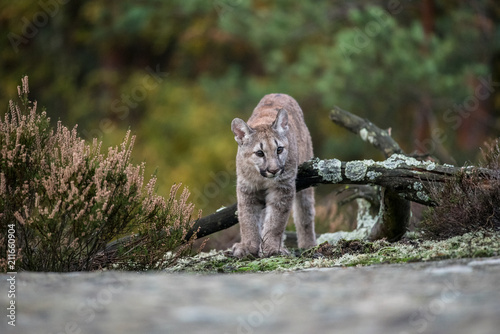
column 410, row 178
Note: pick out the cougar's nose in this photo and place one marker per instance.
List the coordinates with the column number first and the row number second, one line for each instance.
column 273, row 171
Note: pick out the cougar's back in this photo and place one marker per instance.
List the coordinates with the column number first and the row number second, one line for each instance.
column 265, row 113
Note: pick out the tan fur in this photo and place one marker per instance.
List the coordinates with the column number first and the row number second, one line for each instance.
column 270, row 147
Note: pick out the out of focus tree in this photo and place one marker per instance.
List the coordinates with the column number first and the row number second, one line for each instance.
column 176, row 72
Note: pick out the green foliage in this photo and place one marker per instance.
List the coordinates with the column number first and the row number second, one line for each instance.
column 91, row 63
column 68, row 200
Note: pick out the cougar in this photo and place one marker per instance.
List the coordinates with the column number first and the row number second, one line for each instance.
column 271, row 145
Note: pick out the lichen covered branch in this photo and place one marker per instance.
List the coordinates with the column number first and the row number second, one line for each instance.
column 407, row 176
column 402, row 178
column 369, row 132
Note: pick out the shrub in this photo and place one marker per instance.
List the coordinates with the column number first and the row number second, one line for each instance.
column 470, row 202
column 68, row 200
column 152, row 246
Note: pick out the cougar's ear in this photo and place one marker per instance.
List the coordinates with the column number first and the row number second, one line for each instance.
column 280, row 124
column 241, row 130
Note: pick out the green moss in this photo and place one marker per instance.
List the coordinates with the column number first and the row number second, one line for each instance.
column 350, row 253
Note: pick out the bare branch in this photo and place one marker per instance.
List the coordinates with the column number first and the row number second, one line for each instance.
column 369, row 132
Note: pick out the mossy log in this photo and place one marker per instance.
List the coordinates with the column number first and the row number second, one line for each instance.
column 407, row 177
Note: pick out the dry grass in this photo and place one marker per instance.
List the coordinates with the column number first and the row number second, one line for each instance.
column 470, row 202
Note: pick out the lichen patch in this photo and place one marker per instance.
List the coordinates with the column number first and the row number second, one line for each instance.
column 367, row 136
column 363, row 133
column 329, row 170
column 418, row 186
column 396, row 160
column 423, row 196
column 356, row 170
column 372, row 176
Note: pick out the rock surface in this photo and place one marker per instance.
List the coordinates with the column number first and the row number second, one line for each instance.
column 454, row 296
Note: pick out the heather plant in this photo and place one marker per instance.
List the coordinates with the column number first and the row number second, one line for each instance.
column 469, row 202
column 68, row 200
column 151, row 247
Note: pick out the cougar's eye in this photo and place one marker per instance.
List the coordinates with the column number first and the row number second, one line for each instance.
column 259, row 153
column 279, row 150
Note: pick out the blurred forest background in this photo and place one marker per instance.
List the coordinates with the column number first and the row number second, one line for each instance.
column 177, row 72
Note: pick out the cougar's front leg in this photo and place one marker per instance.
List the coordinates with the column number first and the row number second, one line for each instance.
column 249, row 215
column 278, row 206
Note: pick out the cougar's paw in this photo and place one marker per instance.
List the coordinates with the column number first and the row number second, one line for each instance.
column 241, row 250
column 271, row 251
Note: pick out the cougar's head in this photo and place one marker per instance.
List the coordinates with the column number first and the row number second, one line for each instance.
column 265, row 146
